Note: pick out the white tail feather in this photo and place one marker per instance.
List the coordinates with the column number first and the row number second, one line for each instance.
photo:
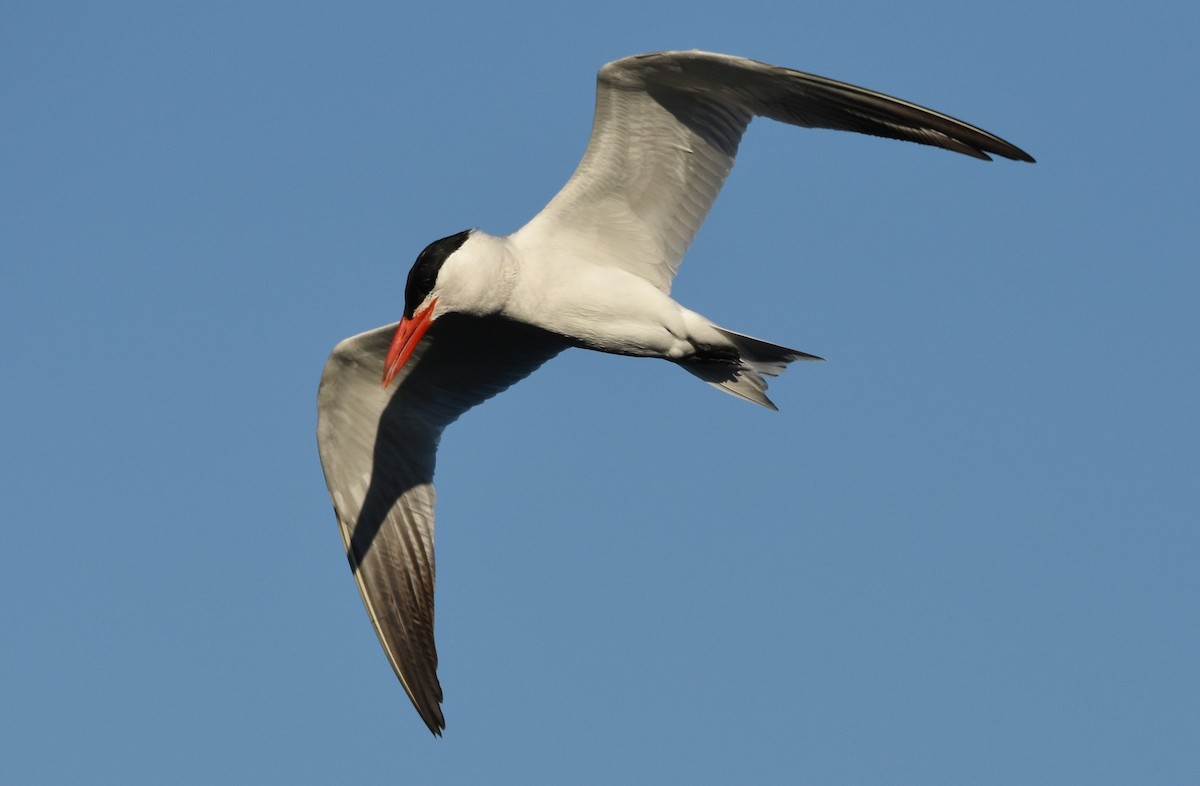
column 743, row 377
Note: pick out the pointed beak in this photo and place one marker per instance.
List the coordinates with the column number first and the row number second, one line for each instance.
column 408, row 335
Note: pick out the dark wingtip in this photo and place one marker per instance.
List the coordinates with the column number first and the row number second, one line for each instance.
column 436, row 725
column 1016, row 154
column 1011, row 152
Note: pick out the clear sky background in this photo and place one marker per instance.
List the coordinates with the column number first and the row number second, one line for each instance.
column 964, row 552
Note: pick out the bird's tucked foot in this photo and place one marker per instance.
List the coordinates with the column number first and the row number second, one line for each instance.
column 739, row 369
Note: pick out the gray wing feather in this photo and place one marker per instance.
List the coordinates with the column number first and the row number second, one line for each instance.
column 378, row 451
column 666, row 132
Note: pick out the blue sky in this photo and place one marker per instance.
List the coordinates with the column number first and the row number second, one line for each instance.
column 964, row 551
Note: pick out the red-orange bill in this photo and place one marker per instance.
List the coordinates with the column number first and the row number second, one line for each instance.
column 408, row 335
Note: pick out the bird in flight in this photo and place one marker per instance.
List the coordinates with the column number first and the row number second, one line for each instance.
column 593, row 269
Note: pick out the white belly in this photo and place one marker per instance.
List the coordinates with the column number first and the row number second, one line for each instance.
column 609, row 310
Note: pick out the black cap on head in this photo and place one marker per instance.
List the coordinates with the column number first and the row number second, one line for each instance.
column 424, row 271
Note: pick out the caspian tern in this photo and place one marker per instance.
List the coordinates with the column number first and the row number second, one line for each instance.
column 593, row 270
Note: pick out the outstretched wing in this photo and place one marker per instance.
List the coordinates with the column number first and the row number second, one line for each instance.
column 378, row 448
column 665, row 135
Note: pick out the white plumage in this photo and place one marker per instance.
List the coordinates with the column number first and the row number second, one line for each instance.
column 594, row 270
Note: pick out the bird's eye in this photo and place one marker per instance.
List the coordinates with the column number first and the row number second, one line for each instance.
column 425, row 270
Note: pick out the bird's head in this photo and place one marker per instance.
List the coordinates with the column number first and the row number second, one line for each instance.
column 425, row 299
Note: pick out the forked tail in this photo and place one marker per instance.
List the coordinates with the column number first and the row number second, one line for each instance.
column 743, row 376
